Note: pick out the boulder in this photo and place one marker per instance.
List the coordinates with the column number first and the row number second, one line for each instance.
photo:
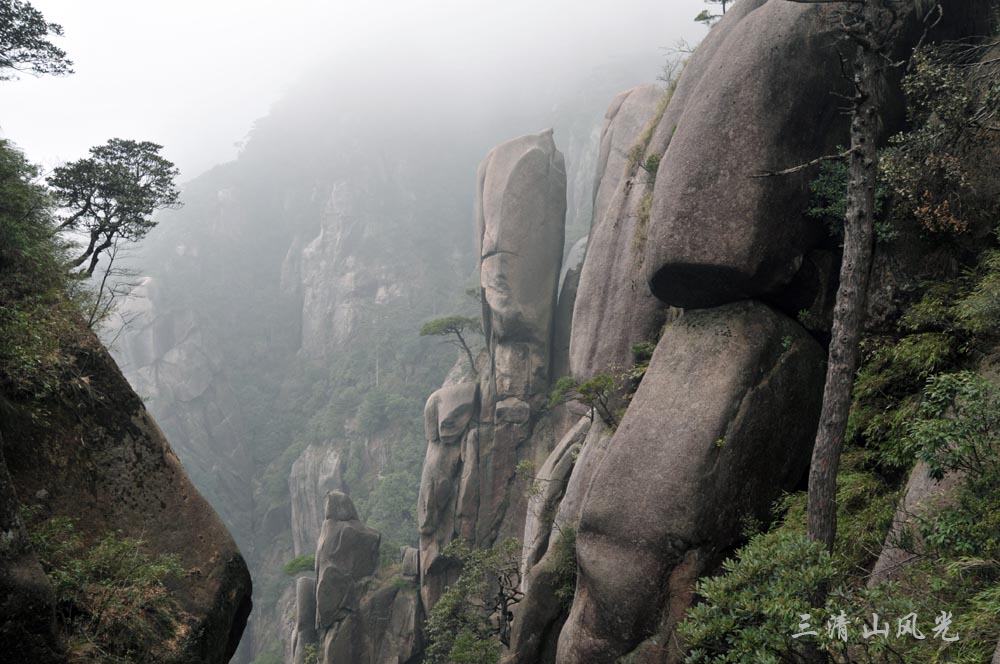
column 614, row 307
column 704, row 444
column 716, row 234
column 107, row 465
column 520, row 220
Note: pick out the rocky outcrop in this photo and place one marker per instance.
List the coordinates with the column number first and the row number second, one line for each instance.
column 699, row 449
column 316, row 473
column 27, row 601
column 346, row 553
column 447, row 502
column 348, row 613
column 107, row 466
column 614, row 307
column 520, row 222
column 477, row 434
column 548, row 487
column 553, row 514
column 337, row 283
column 716, row 233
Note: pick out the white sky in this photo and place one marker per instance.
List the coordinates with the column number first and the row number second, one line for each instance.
column 194, row 74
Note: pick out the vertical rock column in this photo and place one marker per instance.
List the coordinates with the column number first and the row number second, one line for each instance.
column 520, row 219
column 477, row 434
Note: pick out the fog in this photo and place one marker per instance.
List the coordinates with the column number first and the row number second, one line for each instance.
column 194, row 75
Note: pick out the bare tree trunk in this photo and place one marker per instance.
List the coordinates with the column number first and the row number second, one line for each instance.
column 468, row 352
column 851, row 297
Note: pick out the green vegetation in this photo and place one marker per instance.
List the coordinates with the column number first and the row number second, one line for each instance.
column 565, row 565
column 25, row 45
column 734, row 625
column 642, row 228
column 829, row 201
column 300, row 565
column 312, row 654
column 598, row 394
column 606, row 394
column 272, row 655
column 471, row 621
column 457, row 326
column 637, row 157
column 39, row 324
column 113, row 603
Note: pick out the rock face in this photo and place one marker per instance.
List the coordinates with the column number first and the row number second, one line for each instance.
column 699, row 448
column 614, row 307
column 553, row 514
column 316, row 472
column 520, row 221
column 447, row 505
column 108, row 467
column 716, row 234
column 347, row 552
column 27, row 607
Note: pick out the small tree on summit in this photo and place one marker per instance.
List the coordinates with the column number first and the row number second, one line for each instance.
column 112, row 195
column 25, row 45
column 708, row 17
column 458, row 326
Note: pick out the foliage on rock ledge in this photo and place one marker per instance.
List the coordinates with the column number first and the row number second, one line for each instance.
column 113, row 604
column 470, row 624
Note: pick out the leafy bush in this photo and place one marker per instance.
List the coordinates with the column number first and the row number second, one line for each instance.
column 598, row 394
column 299, row 565
column 112, row 599
column 750, row 610
column 471, row 623
column 565, row 565
column 828, row 201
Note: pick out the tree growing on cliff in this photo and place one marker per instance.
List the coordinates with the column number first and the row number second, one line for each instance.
column 708, row 17
column 458, row 327
column 25, row 45
column 112, row 195
column 872, row 28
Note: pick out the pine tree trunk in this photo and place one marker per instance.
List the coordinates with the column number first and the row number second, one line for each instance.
column 851, row 296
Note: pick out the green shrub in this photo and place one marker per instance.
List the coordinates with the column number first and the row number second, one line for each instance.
column 300, row 565
column 111, row 595
column 468, row 624
column 749, row 612
column 565, row 565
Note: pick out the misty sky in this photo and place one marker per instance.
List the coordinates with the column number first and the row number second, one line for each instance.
column 194, row 74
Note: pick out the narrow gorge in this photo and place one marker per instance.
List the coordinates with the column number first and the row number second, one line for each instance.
column 609, row 461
